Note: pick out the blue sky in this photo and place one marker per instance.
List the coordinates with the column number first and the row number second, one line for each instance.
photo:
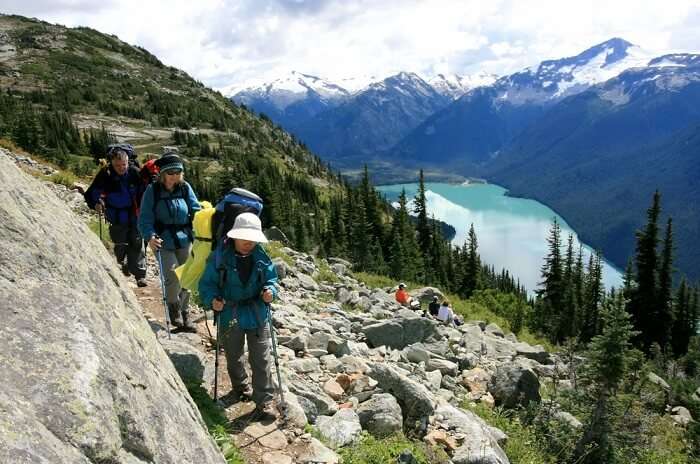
column 224, row 43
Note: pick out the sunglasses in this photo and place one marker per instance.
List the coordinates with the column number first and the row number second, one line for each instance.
column 173, row 172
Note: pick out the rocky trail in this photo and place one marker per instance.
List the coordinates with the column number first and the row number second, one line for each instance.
column 355, row 362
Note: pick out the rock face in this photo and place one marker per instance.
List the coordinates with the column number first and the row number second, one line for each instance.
column 381, row 415
column 84, row 379
column 514, row 385
column 401, row 331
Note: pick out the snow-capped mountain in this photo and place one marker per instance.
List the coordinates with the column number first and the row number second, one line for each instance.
column 292, row 99
column 454, row 85
column 373, row 119
column 556, row 79
column 477, row 125
column 289, row 89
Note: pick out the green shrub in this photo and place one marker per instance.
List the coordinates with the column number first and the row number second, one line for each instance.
column 370, row 450
column 217, row 423
column 64, row 178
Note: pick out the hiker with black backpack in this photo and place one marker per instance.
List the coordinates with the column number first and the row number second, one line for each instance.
column 167, row 209
column 116, row 192
column 239, row 283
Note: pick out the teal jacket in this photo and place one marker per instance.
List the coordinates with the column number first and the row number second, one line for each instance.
column 244, row 303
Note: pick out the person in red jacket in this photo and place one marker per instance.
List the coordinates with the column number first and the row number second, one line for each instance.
column 402, row 296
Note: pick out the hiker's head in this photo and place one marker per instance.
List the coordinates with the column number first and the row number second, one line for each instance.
column 171, row 170
column 120, row 161
column 435, row 298
column 246, row 233
column 445, row 303
column 402, row 286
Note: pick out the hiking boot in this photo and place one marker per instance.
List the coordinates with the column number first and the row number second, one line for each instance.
column 174, row 313
column 266, row 411
column 141, row 282
column 125, row 269
column 240, row 393
column 187, row 324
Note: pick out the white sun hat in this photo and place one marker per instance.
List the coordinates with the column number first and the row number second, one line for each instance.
column 247, row 227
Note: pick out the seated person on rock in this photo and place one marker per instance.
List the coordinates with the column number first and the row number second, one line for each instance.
column 445, row 313
column 402, row 296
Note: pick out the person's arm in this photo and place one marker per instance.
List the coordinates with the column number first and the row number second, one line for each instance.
column 94, row 192
column 209, row 283
column 146, row 223
column 271, row 280
column 192, row 199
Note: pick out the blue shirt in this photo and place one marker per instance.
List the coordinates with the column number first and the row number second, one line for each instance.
column 244, row 302
column 169, row 217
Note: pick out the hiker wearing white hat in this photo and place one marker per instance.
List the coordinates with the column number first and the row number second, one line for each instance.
column 239, row 284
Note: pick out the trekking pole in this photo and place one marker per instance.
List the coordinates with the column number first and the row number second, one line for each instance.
column 277, row 361
column 99, row 218
column 162, row 286
column 216, row 358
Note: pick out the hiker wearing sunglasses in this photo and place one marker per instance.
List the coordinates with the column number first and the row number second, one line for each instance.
column 167, row 209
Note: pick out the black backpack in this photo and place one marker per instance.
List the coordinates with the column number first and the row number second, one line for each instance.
column 126, row 147
column 235, row 202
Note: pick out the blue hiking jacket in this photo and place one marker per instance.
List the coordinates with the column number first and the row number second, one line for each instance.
column 120, row 194
column 243, row 301
column 170, row 217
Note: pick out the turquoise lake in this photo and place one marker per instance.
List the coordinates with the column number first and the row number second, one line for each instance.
column 511, row 232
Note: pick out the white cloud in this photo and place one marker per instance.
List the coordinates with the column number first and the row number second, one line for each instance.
column 223, row 42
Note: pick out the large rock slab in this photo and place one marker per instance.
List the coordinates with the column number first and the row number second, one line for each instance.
column 514, row 385
column 480, row 445
column 415, row 399
column 343, row 428
column 84, row 378
column 381, row 415
column 400, row 332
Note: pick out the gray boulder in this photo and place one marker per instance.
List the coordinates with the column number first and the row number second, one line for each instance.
column 84, row 379
column 514, row 385
column 343, row 428
column 415, row 399
column 536, row 353
column 400, row 332
column 275, row 234
column 480, row 445
column 381, row 415
column 188, row 360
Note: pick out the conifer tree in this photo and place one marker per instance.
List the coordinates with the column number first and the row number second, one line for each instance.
column 550, row 295
column 682, row 323
column 420, row 208
column 664, row 305
column 645, row 298
column 472, row 265
column 593, row 298
column 608, row 358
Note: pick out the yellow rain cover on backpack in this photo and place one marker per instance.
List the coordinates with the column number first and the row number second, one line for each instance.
column 190, row 272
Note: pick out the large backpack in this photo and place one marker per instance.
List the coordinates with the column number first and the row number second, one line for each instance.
column 235, row 202
column 126, row 147
column 210, row 227
column 149, row 172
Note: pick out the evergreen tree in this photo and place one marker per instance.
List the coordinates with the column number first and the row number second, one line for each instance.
column 682, row 323
column 550, row 294
column 420, row 208
column 644, row 298
column 608, row 358
column 472, row 265
column 593, row 298
column 404, row 256
column 664, row 305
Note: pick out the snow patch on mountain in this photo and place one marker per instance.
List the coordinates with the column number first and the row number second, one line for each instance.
column 454, row 85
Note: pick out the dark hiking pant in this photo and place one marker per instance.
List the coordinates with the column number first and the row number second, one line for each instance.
column 128, row 245
column 258, row 358
column 174, row 294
